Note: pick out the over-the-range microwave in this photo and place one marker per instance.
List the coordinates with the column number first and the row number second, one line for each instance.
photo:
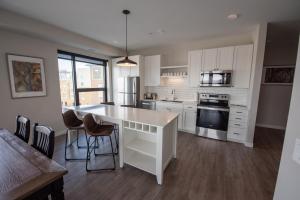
column 216, row 78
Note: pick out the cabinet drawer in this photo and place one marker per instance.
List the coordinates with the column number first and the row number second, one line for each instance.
column 237, row 124
column 238, row 118
column 190, row 107
column 237, row 133
column 238, row 111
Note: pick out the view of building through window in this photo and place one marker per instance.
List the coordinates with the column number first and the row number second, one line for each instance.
column 90, row 81
column 66, row 82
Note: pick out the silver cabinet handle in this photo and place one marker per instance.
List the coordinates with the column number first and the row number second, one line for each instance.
column 239, row 112
column 238, row 118
column 237, row 124
column 236, row 133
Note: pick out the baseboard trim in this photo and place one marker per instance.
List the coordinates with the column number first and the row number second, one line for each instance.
column 271, row 126
column 59, row 133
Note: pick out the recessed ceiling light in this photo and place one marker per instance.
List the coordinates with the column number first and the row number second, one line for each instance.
column 160, row 31
column 232, row 16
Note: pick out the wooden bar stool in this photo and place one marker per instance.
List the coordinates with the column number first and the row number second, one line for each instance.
column 95, row 130
column 72, row 123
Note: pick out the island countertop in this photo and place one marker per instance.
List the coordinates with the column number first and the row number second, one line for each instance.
column 151, row 117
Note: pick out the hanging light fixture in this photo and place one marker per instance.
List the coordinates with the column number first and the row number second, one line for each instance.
column 126, row 62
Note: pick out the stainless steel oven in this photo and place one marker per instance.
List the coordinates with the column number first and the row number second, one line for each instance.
column 212, row 116
column 216, row 78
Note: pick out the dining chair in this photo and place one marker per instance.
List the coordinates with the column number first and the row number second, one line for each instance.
column 43, row 139
column 95, row 130
column 23, row 128
column 72, row 123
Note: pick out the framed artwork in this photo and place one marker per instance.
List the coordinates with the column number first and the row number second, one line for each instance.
column 278, row 75
column 27, row 76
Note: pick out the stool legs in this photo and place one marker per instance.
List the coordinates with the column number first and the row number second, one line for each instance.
column 66, row 146
column 91, row 147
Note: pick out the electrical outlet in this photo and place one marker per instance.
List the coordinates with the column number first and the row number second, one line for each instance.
column 296, row 154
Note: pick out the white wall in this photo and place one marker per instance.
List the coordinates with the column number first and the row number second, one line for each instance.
column 46, row 110
column 278, row 52
column 288, row 181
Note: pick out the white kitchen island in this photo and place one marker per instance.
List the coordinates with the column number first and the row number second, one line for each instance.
column 147, row 138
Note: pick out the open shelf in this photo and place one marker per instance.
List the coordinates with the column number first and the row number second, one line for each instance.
column 185, row 76
column 140, row 127
column 174, row 67
column 142, row 146
column 140, row 161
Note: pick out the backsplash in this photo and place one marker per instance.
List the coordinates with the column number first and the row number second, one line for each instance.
column 237, row 96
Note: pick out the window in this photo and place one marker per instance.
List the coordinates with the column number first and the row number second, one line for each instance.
column 82, row 79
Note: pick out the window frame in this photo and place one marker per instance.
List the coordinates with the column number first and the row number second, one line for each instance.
column 77, row 90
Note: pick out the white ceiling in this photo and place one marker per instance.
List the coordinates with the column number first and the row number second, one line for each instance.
column 180, row 20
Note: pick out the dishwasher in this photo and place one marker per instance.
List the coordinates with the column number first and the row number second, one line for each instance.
column 148, row 104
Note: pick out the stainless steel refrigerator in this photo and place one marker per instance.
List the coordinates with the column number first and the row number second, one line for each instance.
column 128, row 91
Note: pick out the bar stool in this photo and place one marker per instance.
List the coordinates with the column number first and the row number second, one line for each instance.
column 72, row 123
column 116, row 126
column 96, row 130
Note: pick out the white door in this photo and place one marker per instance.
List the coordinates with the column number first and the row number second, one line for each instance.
column 195, row 61
column 209, row 59
column 189, row 120
column 242, row 66
column 225, row 58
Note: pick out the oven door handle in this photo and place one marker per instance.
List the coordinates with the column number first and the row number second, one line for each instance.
column 210, row 108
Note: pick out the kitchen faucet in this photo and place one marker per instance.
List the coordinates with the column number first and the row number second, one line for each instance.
column 173, row 94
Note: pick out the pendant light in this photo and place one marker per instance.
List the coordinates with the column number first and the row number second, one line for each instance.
column 126, row 62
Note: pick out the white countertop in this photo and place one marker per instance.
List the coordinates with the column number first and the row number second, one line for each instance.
column 151, row 117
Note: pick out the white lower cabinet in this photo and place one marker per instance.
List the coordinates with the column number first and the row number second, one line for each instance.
column 189, row 118
column 238, row 124
column 172, row 107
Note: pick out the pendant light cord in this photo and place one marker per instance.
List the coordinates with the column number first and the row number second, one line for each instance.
column 126, row 37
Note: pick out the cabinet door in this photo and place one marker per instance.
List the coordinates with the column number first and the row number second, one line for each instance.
column 189, row 120
column 195, row 61
column 225, row 58
column 242, row 66
column 152, row 70
column 209, row 59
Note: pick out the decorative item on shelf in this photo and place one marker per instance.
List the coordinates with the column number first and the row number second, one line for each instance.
column 27, row 76
column 278, row 75
column 126, row 62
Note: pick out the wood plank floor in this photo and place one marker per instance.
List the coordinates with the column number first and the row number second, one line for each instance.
column 205, row 169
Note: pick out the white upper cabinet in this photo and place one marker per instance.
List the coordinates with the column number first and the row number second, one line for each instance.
column 242, row 66
column 225, row 58
column 152, row 70
column 195, row 67
column 209, row 59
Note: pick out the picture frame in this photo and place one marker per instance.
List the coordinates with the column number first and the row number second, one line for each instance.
column 27, row 76
column 278, row 75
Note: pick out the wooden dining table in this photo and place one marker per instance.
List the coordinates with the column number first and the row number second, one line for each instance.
column 25, row 173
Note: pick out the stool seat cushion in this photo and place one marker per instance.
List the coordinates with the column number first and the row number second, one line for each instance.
column 95, row 129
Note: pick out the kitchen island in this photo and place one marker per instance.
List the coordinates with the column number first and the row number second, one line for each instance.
column 147, row 138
